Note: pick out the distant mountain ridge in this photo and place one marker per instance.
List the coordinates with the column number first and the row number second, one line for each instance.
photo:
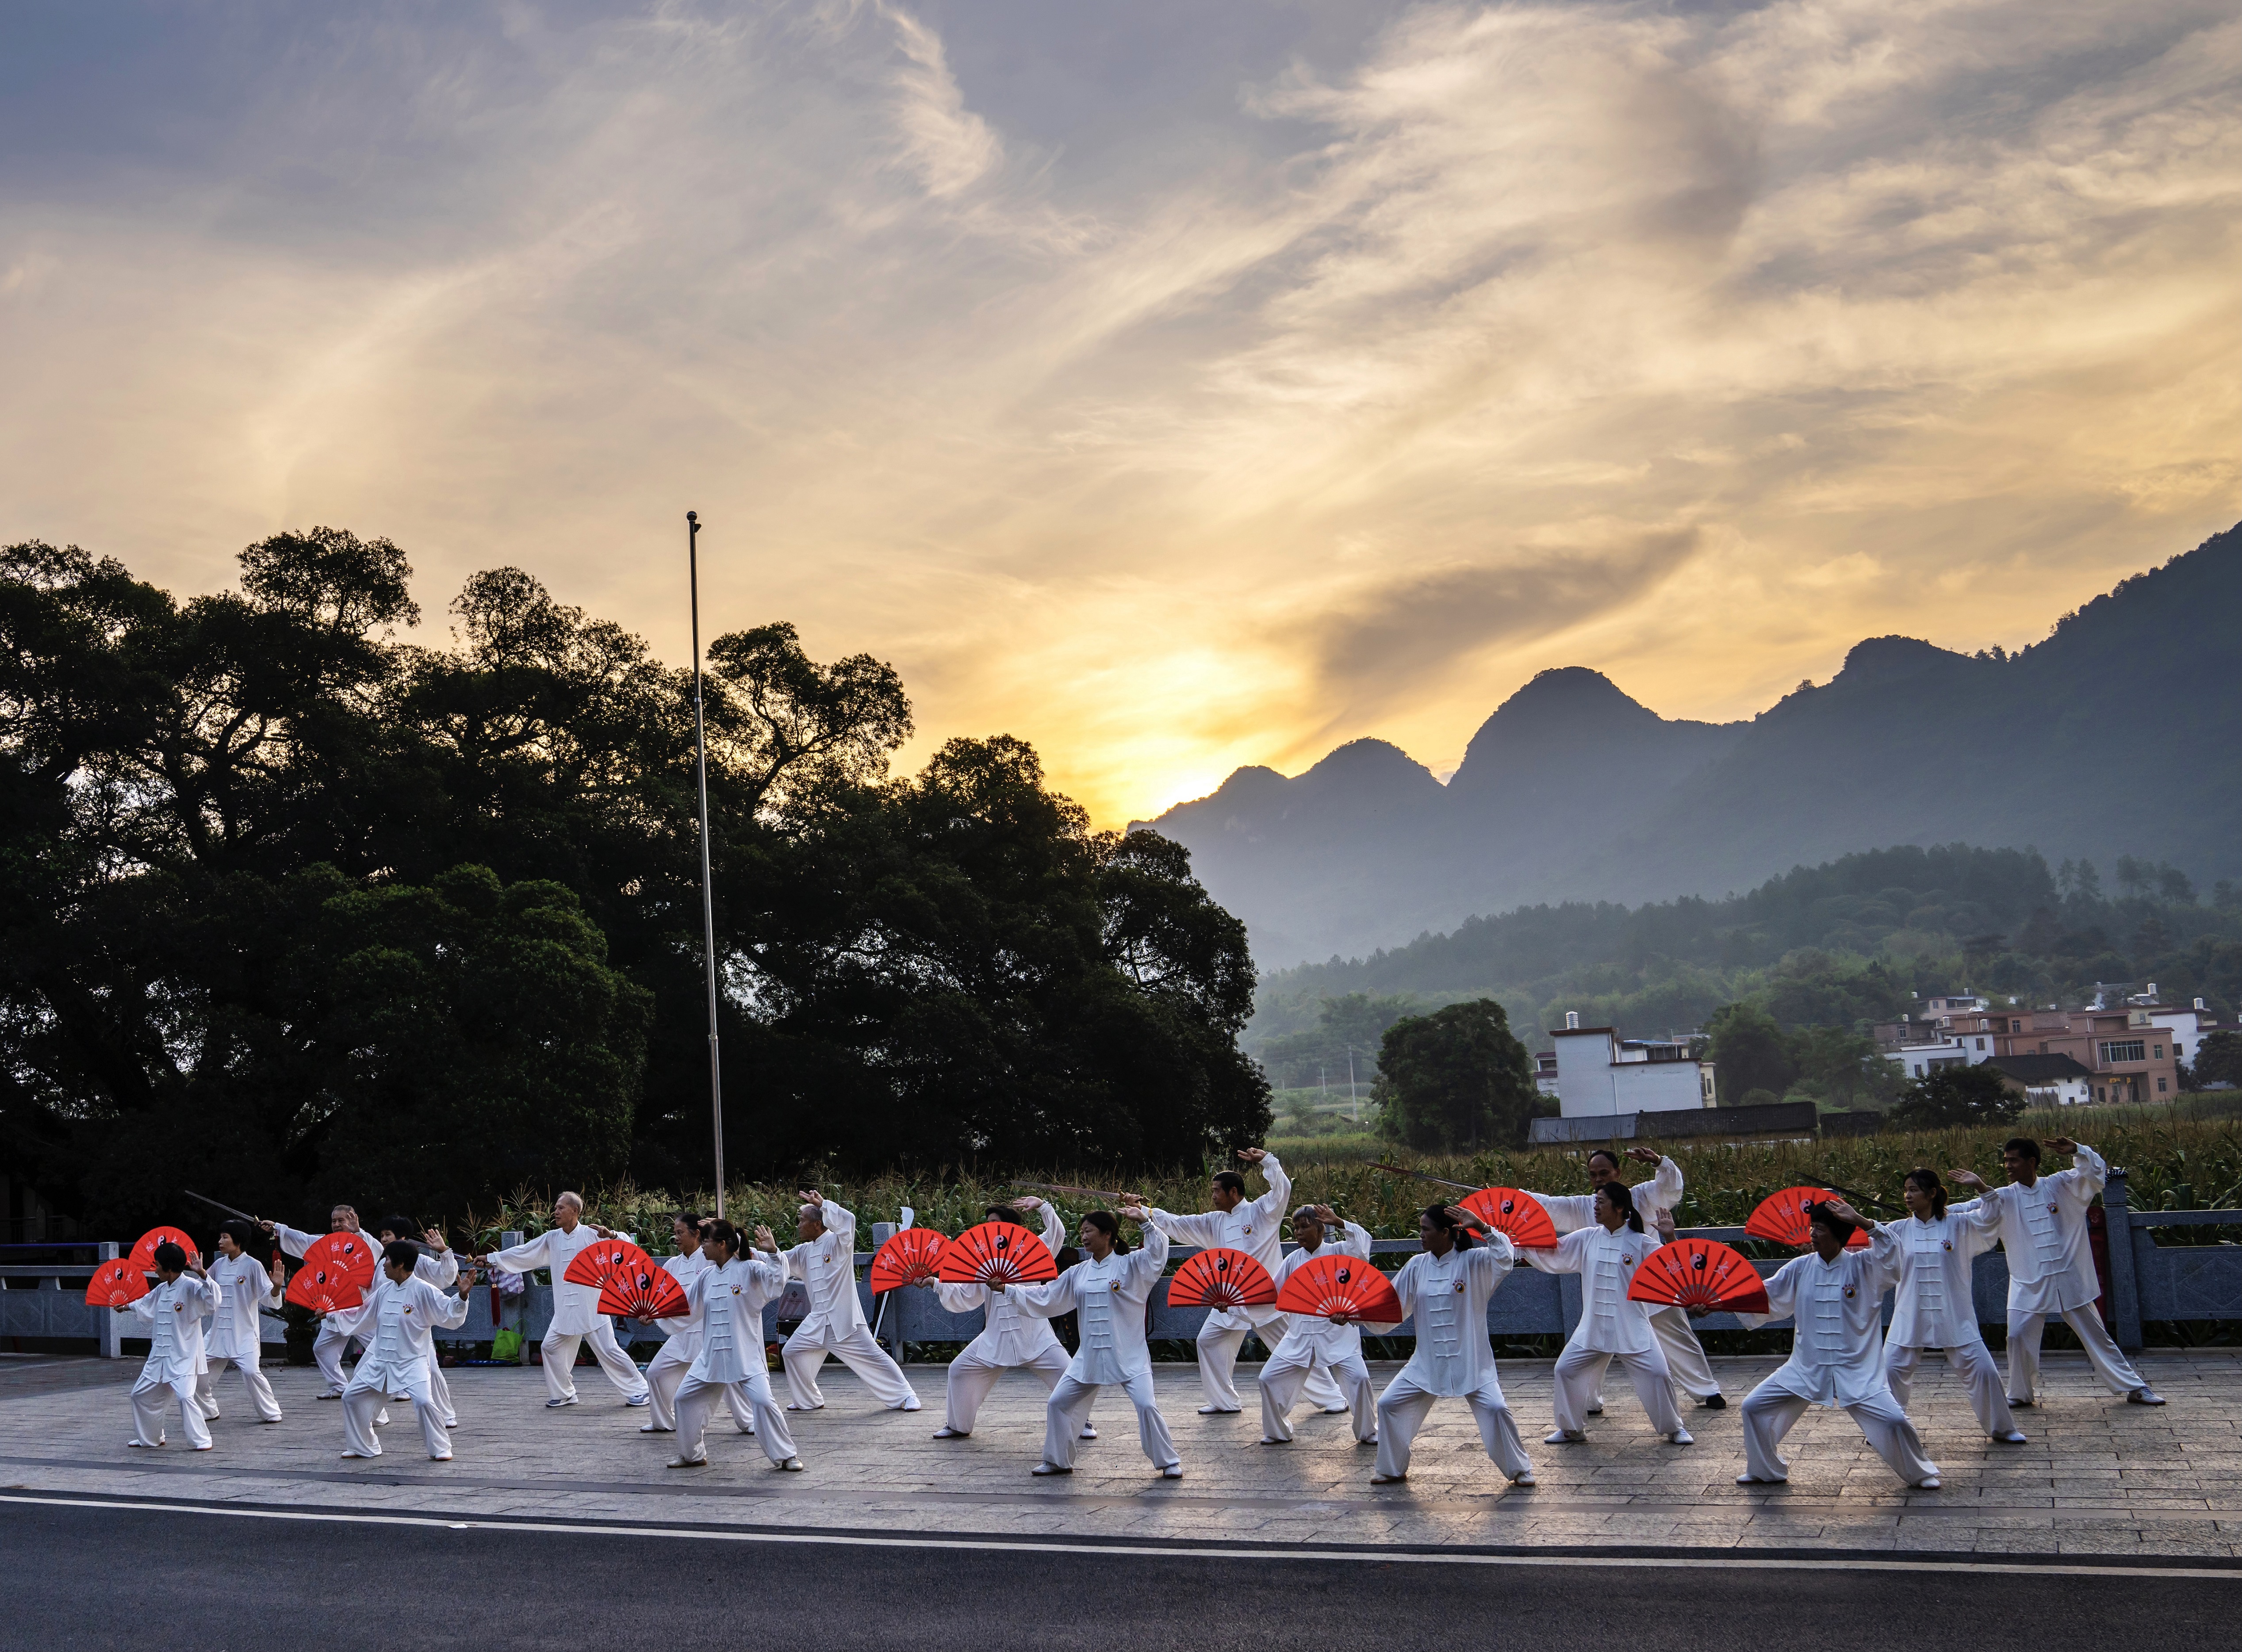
column 2120, row 734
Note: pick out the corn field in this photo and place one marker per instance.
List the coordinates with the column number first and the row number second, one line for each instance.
column 2174, row 1162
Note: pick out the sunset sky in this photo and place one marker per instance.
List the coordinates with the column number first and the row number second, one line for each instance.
column 1177, row 385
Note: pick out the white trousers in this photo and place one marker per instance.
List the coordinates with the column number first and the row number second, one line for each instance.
column 1771, row 1412
column 153, row 1396
column 1401, row 1411
column 362, row 1399
column 557, row 1350
column 2085, row 1322
column 666, row 1371
column 1579, row 1370
column 252, row 1378
column 1974, row 1362
column 696, row 1398
column 1218, row 1369
column 1068, row 1408
column 1289, row 1371
column 975, row 1370
column 857, row 1350
column 327, row 1352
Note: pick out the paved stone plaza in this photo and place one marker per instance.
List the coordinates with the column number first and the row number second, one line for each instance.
column 2098, row 1477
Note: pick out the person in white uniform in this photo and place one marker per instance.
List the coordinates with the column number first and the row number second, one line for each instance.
column 337, row 1328
column 1659, row 1196
column 577, row 1316
column 1613, row 1326
column 1256, row 1227
column 236, row 1335
column 682, row 1336
column 1307, row 1343
column 1835, row 1299
column 825, row 1261
column 402, row 1313
column 174, row 1311
column 1107, row 1291
column 1932, row 1306
column 1446, row 1286
column 1009, row 1340
column 440, row 1269
column 726, row 1300
column 2051, row 1265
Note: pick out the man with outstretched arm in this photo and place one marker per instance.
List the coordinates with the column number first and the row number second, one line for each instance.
column 577, row 1316
column 1256, row 1227
column 825, row 1261
column 2051, row 1265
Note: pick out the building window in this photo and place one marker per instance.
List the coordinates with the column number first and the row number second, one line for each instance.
column 2100, row 1093
column 2117, row 1050
column 2160, row 1052
column 1980, row 1043
column 2160, row 1086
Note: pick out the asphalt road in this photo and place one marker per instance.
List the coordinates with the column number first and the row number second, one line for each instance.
column 94, row 1578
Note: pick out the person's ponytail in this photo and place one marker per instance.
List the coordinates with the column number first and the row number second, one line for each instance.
column 1622, row 1197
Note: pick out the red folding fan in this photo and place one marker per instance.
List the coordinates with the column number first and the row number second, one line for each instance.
column 1782, row 1216
column 1700, row 1273
column 595, row 1264
column 115, row 1284
column 642, row 1290
column 143, row 1254
column 1221, row 1279
column 1518, row 1214
column 337, row 1268
column 911, row 1256
column 1329, row 1284
column 996, row 1254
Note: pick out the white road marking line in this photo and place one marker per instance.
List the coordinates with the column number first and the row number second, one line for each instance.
column 1664, row 1562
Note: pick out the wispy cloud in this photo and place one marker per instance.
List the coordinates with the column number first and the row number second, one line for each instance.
column 1175, row 390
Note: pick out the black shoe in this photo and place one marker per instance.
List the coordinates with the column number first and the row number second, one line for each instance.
column 1714, row 1403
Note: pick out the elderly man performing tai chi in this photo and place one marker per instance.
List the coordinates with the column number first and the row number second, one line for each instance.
column 1445, row 1285
column 1107, row 1291
column 1308, row 1344
column 2050, row 1268
column 825, row 1262
column 1256, row 1227
column 576, row 1315
column 336, row 1328
column 1655, row 1200
column 1009, row 1340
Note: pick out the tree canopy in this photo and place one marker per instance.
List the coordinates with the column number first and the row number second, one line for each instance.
column 313, row 911
column 1456, row 1080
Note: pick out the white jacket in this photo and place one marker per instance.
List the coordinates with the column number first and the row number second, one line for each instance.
column 727, row 1305
column 1108, row 1299
column 1932, row 1306
column 1448, row 1296
column 2044, row 1230
column 399, row 1330
column 1308, row 1334
column 243, row 1288
column 1611, row 1321
column 1568, row 1212
column 174, row 1315
column 1838, row 1347
column 827, row 1266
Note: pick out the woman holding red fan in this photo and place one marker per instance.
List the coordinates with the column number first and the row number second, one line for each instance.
column 1308, row 1344
column 726, row 1300
column 1836, row 1298
column 1613, row 1326
column 1446, row 1285
column 1106, row 1291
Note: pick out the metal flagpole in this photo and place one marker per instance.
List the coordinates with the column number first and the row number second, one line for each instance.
column 707, row 889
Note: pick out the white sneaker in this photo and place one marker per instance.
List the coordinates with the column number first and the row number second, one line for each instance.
column 1682, row 1437
column 948, row 1432
column 2014, row 1437
column 698, row 1459
column 555, row 1405
column 1563, row 1437
column 1087, row 1433
column 1754, row 1480
column 655, row 1429
column 791, row 1465
column 1526, row 1478
column 1387, row 1480
column 433, row 1458
column 1217, row 1411
column 1174, row 1471
column 910, row 1404
column 639, row 1400
column 1050, row 1468
column 1931, row 1484
column 1271, row 1440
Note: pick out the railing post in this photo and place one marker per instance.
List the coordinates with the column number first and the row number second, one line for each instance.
column 2124, row 1283
column 113, row 1341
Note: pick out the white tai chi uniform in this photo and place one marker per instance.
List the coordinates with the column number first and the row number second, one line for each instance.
column 2052, row 1271
column 176, row 1362
column 338, row 1328
column 727, row 1309
column 236, row 1334
column 1613, row 1326
column 1308, row 1344
column 1108, row 1299
column 1836, row 1358
column 827, row 1264
column 1453, row 1359
column 1010, row 1340
column 1677, row 1338
column 399, row 1325
column 1256, row 1227
column 681, row 1346
column 1932, row 1306
column 577, row 1316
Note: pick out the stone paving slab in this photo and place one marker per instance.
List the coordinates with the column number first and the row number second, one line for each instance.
column 2098, row 1476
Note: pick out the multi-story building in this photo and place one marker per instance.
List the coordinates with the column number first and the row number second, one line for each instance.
column 2188, row 1028
column 1599, row 1073
column 2129, row 1057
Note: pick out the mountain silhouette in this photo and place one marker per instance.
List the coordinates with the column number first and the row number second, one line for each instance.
column 2119, row 735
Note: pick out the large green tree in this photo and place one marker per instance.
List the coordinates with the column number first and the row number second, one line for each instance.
column 1456, row 1080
